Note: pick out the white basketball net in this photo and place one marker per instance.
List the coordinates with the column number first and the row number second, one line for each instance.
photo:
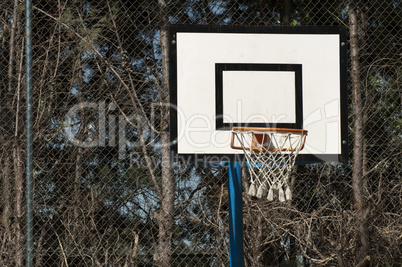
column 271, row 157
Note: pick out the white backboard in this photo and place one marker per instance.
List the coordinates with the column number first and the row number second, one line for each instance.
column 285, row 77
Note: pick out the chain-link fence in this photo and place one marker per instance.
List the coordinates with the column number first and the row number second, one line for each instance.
column 105, row 191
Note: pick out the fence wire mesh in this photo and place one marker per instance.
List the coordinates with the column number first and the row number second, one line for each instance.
column 105, row 191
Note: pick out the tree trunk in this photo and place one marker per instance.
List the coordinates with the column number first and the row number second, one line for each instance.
column 357, row 178
column 166, row 215
column 13, row 110
column 19, row 236
column 6, row 178
column 286, row 12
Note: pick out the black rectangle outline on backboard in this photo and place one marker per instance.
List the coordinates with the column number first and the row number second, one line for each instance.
column 221, row 67
column 173, row 29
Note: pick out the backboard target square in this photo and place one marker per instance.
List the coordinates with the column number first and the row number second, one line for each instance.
column 284, row 77
column 258, row 95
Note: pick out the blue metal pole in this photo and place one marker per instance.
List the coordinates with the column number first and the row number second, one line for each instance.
column 29, row 170
column 235, row 216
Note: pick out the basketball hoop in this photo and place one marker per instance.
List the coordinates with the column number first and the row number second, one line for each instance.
column 270, row 154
